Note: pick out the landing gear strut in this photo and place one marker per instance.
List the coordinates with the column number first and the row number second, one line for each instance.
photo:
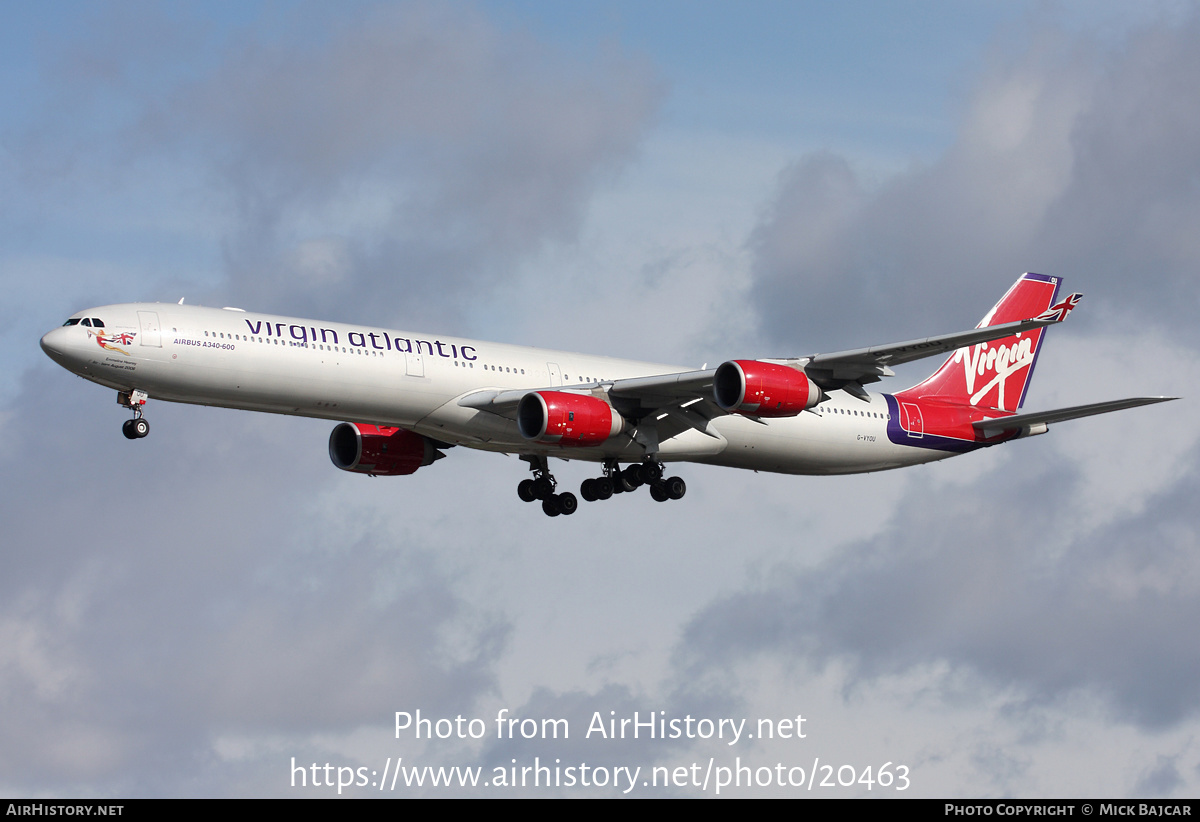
column 541, row 487
column 137, row 427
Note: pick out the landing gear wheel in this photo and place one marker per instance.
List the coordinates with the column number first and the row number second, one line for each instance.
column 587, row 490
column 604, row 488
column 675, row 487
column 526, row 490
column 135, row 428
column 543, row 488
column 632, row 477
column 550, row 506
column 659, row 492
column 651, row 472
column 567, row 504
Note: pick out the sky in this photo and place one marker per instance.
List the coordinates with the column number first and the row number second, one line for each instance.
column 200, row 612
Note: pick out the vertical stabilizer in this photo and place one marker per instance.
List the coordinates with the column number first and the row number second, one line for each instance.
column 995, row 374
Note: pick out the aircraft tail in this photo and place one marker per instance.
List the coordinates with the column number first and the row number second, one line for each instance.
column 996, row 374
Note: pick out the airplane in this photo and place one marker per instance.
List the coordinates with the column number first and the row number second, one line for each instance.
column 402, row 399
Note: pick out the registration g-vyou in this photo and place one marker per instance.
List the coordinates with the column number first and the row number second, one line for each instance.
column 403, row 398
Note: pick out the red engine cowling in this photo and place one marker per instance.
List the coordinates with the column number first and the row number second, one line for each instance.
column 763, row 389
column 379, row 450
column 572, row 420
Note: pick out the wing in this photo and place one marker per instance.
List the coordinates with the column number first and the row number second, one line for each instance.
column 850, row 369
column 676, row 402
column 842, row 369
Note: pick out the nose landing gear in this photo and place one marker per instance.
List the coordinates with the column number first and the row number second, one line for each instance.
column 137, row 427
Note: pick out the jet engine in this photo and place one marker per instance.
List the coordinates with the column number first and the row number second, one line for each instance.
column 380, row 450
column 572, row 420
column 763, row 389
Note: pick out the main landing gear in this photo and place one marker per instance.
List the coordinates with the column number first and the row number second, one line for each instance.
column 137, row 427
column 618, row 481
column 542, row 486
column 615, row 481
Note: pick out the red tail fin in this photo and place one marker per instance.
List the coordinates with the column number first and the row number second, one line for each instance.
column 996, row 374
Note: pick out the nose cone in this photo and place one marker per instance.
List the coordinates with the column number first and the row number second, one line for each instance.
column 57, row 344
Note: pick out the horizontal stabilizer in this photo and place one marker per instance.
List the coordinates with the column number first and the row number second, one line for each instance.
column 992, row 427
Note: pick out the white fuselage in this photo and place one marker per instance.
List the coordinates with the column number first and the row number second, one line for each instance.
column 283, row 365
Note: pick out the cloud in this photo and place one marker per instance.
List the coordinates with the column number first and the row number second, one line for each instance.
column 966, row 578
column 1056, row 571
column 412, row 152
column 416, row 153
column 1072, row 158
column 159, row 600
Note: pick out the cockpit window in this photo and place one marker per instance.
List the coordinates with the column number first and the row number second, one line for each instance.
column 72, row 321
column 97, row 322
column 87, row 322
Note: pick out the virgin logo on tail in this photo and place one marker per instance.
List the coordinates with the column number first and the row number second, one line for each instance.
column 1002, row 361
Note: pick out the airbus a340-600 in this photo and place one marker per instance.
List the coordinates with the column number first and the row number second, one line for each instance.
column 403, row 398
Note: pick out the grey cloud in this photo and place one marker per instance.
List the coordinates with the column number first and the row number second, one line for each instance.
column 156, row 599
column 578, row 708
column 1072, row 159
column 1161, row 780
column 414, row 153
column 612, row 744
column 427, row 148
column 977, row 576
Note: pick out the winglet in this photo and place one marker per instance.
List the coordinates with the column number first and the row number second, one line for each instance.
column 1059, row 311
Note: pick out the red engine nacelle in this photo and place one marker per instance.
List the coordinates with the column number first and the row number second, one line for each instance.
column 379, row 450
column 763, row 389
column 573, row 420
